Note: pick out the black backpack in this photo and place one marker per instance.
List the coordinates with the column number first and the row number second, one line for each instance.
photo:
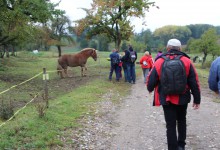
column 132, row 56
column 173, row 76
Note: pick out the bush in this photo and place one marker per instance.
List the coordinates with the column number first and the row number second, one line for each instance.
column 207, row 64
column 6, row 110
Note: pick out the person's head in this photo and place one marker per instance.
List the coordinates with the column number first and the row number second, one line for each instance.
column 173, row 44
column 124, row 51
column 160, row 51
column 114, row 50
column 146, row 53
column 130, row 48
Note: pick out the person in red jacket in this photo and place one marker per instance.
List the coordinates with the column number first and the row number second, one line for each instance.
column 175, row 105
column 146, row 64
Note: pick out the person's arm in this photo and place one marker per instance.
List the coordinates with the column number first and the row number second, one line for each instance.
column 218, row 77
column 152, row 80
column 126, row 57
column 136, row 55
column 193, row 83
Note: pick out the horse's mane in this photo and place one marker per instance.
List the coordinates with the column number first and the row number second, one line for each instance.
column 87, row 49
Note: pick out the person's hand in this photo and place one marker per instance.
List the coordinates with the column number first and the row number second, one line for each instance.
column 196, row 106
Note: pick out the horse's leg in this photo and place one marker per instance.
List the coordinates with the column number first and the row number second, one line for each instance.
column 82, row 71
column 65, row 71
column 85, row 70
column 60, row 70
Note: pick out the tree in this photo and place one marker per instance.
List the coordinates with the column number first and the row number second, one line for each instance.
column 103, row 42
column 59, row 30
column 207, row 44
column 198, row 29
column 171, row 31
column 17, row 16
column 112, row 18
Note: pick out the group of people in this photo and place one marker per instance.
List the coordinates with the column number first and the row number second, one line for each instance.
column 125, row 62
column 173, row 78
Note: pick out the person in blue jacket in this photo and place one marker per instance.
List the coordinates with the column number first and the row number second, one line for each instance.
column 214, row 76
column 115, row 59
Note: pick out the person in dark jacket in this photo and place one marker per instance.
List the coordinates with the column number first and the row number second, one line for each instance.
column 175, row 105
column 214, row 76
column 115, row 59
column 131, row 64
column 124, row 66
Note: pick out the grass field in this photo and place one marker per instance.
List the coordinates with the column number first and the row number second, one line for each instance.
column 69, row 98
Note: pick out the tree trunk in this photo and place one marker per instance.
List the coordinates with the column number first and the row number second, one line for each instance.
column 59, row 50
column 13, row 51
column 118, row 38
column 6, row 51
column 204, row 59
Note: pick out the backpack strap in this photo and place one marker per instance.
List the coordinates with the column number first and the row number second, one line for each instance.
column 178, row 56
column 165, row 57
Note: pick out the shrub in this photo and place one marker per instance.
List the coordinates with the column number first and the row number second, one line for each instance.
column 6, row 110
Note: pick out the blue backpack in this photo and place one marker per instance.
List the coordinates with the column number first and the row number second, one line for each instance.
column 115, row 60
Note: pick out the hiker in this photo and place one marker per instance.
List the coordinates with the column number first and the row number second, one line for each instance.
column 159, row 53
column 214, row 76
column 115, row 59
column 124, row 66
column 173, row 91
column 146, row 64
column 131, row 57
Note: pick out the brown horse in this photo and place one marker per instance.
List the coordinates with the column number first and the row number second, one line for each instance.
column 74, row 60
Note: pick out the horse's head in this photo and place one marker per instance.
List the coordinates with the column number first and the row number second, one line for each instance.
column 94, row 54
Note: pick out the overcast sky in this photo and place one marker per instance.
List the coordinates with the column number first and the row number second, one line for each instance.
column 170, row 12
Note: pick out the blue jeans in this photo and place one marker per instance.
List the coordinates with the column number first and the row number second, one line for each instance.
column 131, row 72
column 145, row 73
column 117, row 72
column 125, row 74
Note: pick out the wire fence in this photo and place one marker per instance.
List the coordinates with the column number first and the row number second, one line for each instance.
column 98, row 71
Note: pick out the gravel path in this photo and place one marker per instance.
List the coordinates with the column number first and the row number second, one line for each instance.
column 137, row 125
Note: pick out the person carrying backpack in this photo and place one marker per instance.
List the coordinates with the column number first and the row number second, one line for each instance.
column 130, row 58
column 172, row 79
column 115, row 59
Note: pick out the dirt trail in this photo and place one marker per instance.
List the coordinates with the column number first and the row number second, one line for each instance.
column 137, row 125
column 140, row 126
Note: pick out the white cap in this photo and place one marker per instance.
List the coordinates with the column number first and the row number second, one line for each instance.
column 174, row 42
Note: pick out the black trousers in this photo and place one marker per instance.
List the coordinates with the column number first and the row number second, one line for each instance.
column 175, row 117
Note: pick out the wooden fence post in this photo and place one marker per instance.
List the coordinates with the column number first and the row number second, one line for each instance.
column 45, row 78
